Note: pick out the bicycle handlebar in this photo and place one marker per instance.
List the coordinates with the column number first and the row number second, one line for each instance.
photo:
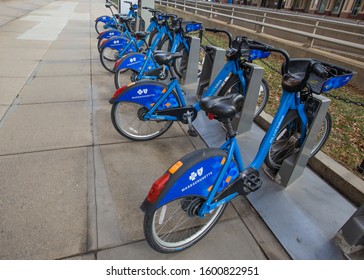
column 215, row 30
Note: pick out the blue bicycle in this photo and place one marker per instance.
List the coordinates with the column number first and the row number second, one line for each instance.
column 105, row 22
column 142, row 64
column 186, row 202
column 114, row 48
column 146, row 109
column 122, row 29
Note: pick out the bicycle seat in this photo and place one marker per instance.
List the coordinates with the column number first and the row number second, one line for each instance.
column 165, row 58
column 139, row 35
column 126, row 19
column 222, row 106
column 292, row 83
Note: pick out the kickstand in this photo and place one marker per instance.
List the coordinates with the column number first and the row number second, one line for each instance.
column 191, row 131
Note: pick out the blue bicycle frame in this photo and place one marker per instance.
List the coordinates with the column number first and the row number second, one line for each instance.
column 231, row 67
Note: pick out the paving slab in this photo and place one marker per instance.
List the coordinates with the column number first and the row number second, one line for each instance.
column 38, row 127
column 67, row 54
column 71, row 44
column 103, row 86
column 10, row 41
column 63, row 68
column 56, row 89
column 228, row 240
column 10, row 68
column 43, row 206
column 22, row 54
column 10, row 88
column 3, row 109
column 98, row 69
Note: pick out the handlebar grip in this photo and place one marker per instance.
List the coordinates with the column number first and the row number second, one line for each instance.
column 320, row 71
column 264, row 48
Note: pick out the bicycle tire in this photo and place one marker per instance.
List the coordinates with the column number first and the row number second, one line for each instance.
column 233, row 85
column 100, row 27
column 175, row 226
column 152, row 36
column 132, row 115
column 120, row 78
column 321, row 140
column 108, row 57
column 286, row 142
column 99, row 43
column 165, row 44
column 180, row 64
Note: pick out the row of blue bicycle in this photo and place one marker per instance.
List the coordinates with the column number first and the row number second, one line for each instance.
column 185, row 203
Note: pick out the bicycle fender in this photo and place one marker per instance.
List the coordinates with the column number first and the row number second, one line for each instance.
column 117, row 43
column 194, row 175
column 145, row 93
column 105, row 19
column 132, row 61
column 109, row 33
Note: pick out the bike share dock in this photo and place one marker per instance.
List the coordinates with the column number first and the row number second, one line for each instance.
column 301, row 209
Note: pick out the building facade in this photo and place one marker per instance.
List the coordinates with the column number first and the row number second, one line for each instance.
column 353, row 9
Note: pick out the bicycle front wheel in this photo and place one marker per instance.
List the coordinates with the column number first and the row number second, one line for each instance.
column 323, row 135
column 233, row 85
column 287, row 142
column 127, row 119
column 172, row 227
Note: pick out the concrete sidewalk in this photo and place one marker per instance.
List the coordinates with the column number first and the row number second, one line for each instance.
column 70, row 185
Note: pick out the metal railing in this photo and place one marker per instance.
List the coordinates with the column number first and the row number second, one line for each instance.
column 264, row 21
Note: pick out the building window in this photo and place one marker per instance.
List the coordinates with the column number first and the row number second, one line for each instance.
column 321, row 7
column 337, row 7
column 356, row 7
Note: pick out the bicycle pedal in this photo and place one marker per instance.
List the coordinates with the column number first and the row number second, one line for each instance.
column 192, row 133
column 252, row 182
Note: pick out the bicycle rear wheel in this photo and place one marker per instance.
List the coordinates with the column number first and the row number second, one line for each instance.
column 233, row 85
column 127, row 119
column 100, row 27
column 172, row 227
column 175, row 224
column 108, row 57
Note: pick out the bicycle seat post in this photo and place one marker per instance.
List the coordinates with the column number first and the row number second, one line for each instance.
column 230, row 133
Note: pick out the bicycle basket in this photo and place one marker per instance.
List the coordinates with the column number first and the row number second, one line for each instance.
column 257, row 54
column 135, row 7
column 191, row 26
column 342, row 77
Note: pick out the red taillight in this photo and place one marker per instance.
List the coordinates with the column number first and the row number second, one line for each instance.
column 117, row 92
column 158, row 187
column 210, row 116
column 117, row 63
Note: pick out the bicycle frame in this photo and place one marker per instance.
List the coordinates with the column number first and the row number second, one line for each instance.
column 231, row 67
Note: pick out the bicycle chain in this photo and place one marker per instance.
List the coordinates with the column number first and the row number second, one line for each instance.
column 326, row 93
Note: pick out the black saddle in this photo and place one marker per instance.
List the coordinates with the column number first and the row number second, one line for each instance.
column 165, row 58
column 139, row 35
column 222, row 106
column 124, row 19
